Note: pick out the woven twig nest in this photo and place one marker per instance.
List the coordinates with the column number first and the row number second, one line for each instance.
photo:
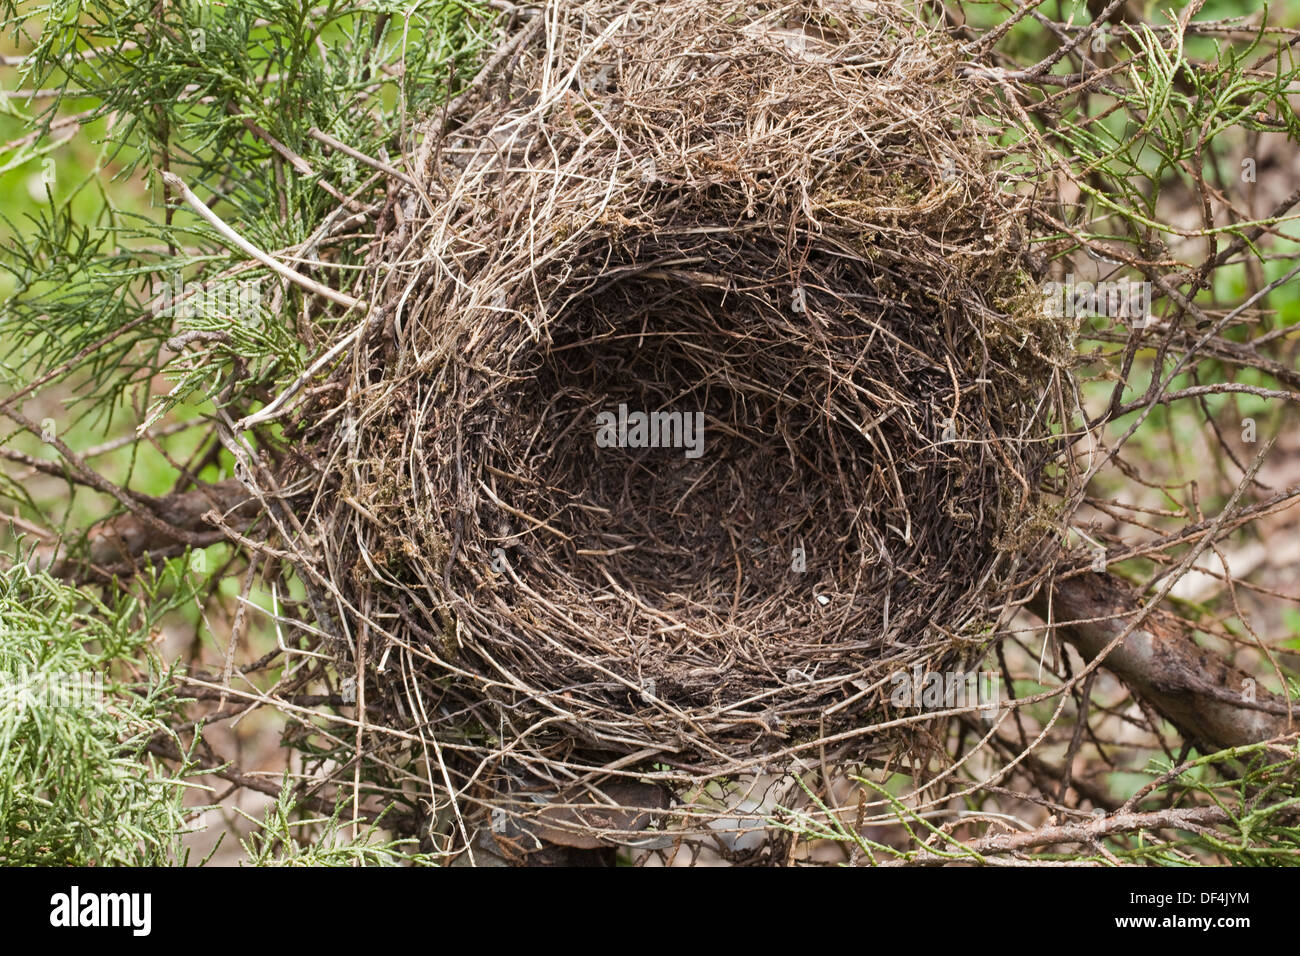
column 783, row 238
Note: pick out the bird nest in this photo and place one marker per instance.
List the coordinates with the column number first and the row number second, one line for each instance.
column 703, row 393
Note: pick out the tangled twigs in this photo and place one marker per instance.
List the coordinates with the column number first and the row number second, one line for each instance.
column 846, row 359
column 988, row 849
column 246, row 247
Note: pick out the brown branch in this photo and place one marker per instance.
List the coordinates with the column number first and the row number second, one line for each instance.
column 1088, row 833
column 1192, row 687
column 178, row 520
column 167, row 749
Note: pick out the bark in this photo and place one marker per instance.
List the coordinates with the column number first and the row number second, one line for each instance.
column 118, row 543
column 1194, row 688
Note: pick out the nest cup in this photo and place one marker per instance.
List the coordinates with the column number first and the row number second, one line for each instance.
column 781, row 236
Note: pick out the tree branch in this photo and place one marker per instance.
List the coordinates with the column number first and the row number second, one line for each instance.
column 179, row 521
column 1088, row 833
column 1195, row 689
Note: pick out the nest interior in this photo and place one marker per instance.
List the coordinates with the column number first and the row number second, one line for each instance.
column 790, row 224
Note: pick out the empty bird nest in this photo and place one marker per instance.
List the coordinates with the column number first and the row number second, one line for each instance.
column 702, row 391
